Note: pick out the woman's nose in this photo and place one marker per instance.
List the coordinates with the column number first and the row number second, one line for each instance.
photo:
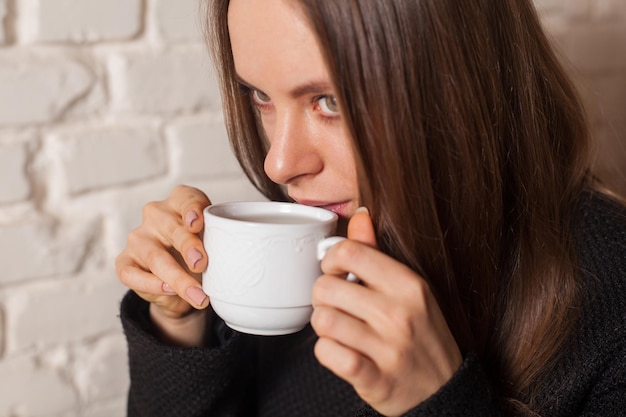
column 293, row 153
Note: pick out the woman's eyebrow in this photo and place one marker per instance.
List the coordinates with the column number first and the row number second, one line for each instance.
column 313, row 87
column 243, row 82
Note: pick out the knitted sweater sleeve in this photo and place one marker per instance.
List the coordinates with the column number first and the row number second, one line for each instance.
column 468, row 393
column 173, row 381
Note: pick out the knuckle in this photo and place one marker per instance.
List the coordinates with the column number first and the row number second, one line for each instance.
column 395, row 360
column 179, row 191
column 377, row 390
column 153, row 258
column 351, row 366
column 150, row 210
column 185, row 192
column 184, row 240
column 172, row 231
column 416, row 290
column 323, row 321
column 184, row 189
column 348, row 249
column 401, row 323
column 321, row 289
column 124, row 273
column 133, row 238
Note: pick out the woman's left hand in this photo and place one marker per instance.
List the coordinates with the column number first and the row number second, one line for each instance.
column 387, row 338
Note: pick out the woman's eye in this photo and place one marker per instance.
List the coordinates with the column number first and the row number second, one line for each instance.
column 260, row 97
column 328, row 104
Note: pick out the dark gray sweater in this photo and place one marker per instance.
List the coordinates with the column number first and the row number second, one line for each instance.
column 243, row 375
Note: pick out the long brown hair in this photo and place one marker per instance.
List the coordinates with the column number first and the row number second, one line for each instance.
column 471, row 147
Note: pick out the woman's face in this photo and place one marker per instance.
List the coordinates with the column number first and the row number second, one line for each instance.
column 280, row 67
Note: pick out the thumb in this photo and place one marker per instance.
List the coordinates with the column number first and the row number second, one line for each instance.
column 361, row 228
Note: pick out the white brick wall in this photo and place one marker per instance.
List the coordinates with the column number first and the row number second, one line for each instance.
column 47, row 21
column 107, row 104
column 38, row 89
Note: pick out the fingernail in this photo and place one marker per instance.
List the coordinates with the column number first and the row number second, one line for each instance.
column 193, row 257
column 167, row 289
column 196, row 295
column 191, row 217
column 362, row 209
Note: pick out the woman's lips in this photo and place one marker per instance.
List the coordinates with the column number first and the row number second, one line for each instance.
column 341, row 209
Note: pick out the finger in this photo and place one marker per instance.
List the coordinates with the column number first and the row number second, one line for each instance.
column 361, row 228
column 153, row 290
column 346, row 363
column 346, row 329
column 372, row 267
column 139, row 280
column 165, row 267
column 190, row 248
column 329, row 291
column 189, row 202
column 167, row 227
column 176, row 278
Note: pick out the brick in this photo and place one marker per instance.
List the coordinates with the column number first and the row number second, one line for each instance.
column 200, row 147
column 104, row 156
column 101, row 369
column 38, row 91
column 93, row 103
column 114, row 407
column 228, row 189
column 180, row 80
column 31, row 390
column 80, row 21
column 15, row 185
column 125, row 214
column 178, row 21
column 63, row 311
column 38, row 248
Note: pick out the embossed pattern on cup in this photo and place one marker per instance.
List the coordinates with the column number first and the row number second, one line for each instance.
column 244, row 280
column 261, row 272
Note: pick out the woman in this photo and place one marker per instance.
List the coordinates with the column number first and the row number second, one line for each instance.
column 492, row 272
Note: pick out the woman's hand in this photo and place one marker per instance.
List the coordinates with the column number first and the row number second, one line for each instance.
column 387, row 337
column 164, row 257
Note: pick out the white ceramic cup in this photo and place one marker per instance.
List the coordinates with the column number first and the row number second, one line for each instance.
column 264, row 258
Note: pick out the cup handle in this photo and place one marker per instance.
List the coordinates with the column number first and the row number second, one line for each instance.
column 329, row 242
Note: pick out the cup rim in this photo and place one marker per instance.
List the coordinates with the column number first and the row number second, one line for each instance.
column 220, row 212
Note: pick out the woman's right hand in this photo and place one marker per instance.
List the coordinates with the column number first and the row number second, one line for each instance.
column 164, row 256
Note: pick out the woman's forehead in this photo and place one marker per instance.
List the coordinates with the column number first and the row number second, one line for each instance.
column 272, row 43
